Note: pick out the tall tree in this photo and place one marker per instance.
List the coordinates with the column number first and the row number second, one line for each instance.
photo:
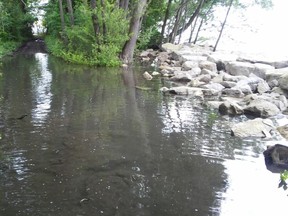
column 138, row 10
column 62, row 15
column 167, row 12
column 223, row 25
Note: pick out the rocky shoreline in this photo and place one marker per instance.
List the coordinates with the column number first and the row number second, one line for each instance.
column 234, row 85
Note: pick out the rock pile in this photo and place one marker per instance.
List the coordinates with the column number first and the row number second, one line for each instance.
column 236, row 85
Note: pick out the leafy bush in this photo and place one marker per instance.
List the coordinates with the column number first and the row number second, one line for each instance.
column 80, row 44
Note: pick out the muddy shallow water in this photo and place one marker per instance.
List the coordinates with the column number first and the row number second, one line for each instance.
column 93, row 144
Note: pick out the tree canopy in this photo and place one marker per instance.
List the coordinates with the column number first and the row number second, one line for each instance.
column 107, row 32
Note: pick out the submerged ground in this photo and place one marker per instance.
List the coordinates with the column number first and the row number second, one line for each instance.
column 93, row 144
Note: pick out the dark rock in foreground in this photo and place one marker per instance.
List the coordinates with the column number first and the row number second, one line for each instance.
column 276, row 158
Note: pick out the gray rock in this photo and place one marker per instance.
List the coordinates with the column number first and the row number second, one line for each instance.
column 276, row 74
column 252, row 128
column 169, row 47
column 210, row 92
column 276, row 158
column 205, row 71
column 273, row 83
column 208, row 65
column 188, row 65
column 283, row 81
column 246, row 68
column 155, row 73
column 205, row 78
column 232, row 92
column 283, row 130
column 163, row 57
column 230, row 108
column 228, row 77
column 245, row 89
column 218, row 79
column 181, row 77
column 184, row 90
column 196, row 83
column 240, row 68
column 147, row 76
column 228, row 84
column 263, row 87
column 164, row 89
column 261, row 108
column 214, row 86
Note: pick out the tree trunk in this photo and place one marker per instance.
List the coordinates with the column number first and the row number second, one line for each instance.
column 223, row 25
column 104, row 29
column 185, row 15
column 123, row 4
column 198, row 31
column 62, row 16
column 193, row 29
column 173, row 34
column 70, row 11
column 167, row 12
column 95, row 22
column 194, row 15
column 135, row 23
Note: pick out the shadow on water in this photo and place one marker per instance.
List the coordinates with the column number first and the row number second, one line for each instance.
column 93, row 144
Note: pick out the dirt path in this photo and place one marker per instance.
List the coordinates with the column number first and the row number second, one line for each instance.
column 32, row 47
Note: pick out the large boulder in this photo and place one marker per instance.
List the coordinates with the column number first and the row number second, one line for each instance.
column 188, row 65
column 221, row 59
column 276, row 74
column 186, row 53
column 169, row 47
column 230, row 108
column 239, row 68
column 252, row 128
column 245, row 68
column 263, row 87
column 181, row 77
column 261, row 108
column 208, row 65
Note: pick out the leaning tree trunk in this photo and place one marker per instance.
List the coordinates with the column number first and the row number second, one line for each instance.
column 194, row 15
column 198, row 31
column 193, row 26
column 135, row 23
column 223, row 25
column 173, row 34
column 165, row 20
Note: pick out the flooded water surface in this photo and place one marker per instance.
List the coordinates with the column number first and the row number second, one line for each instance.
column 93, row 144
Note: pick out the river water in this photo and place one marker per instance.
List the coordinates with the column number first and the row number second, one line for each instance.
column 93, row 144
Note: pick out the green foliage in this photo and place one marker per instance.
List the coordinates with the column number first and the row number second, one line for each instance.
column 212, row 117
column 15, row 25
column 283, row 179
column 7, row 47
column 79, row 43
column 149, row 37
column 284, row 175
column 15, row 21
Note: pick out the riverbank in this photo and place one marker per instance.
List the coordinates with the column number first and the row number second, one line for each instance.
column 233, row 85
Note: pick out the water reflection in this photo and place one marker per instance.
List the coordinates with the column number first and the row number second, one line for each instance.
column 41, row 79
column 96, row 145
